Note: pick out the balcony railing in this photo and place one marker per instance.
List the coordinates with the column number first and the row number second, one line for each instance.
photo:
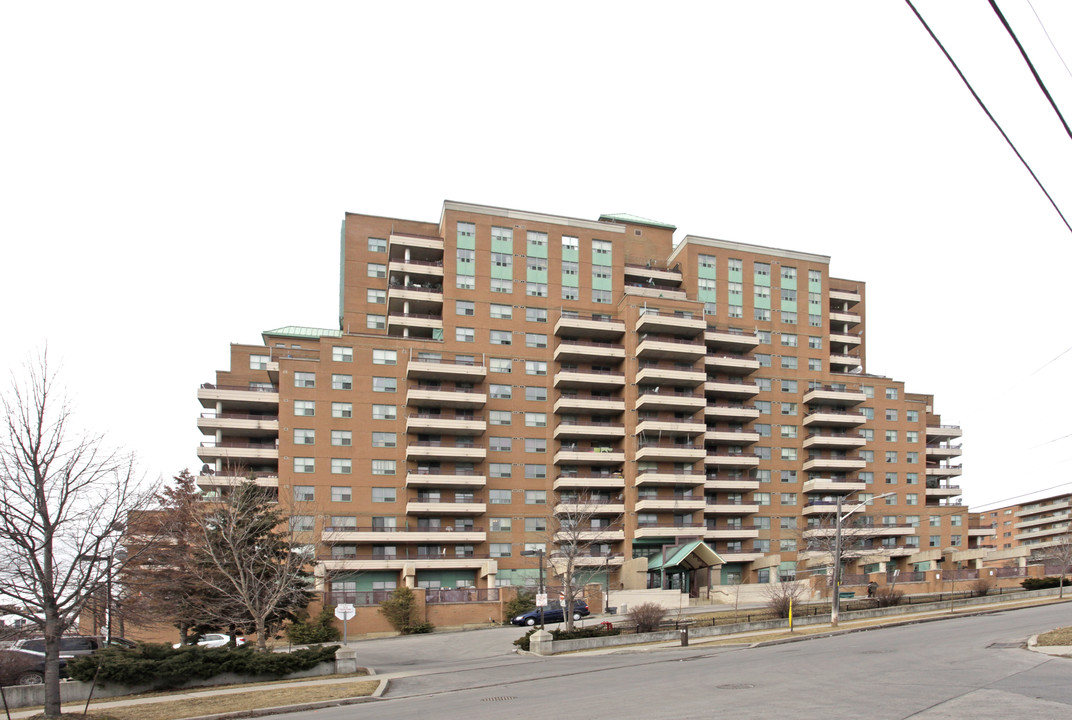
column 417, row 529
column 245, row 388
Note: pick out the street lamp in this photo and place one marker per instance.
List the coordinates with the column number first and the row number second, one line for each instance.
column 835, row 600
column 538, row 553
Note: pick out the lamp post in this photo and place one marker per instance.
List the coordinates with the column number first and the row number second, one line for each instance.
column 839, row 519
column 538, row 553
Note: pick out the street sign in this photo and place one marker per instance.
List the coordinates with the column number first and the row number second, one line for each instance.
column 541, row 599
column 344, row 611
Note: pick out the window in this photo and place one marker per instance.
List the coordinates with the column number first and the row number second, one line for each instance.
column 500, row 365
column 304, row 437
column 304, row 380
column 536, row 524
column 305, row 408
column 534, row 289
column 911, row 457
column 956, row 520
column 535, row 419
column 383, row 467
column 383, row 495
column 384, row 412
column 384, row 357
column 891, row 456
column 500, row 470
column 344, row 466
column 499, row 444
column 787, row 523
column 342, row 438
column 536, row 264
column 258, row 362
column 570, row 243
column 761, row 498
column 788, row 498
column 535, row 393
column 787, row 545
column 501, row 312
column 815, row 364
column 535, row 445
column 789, row 408
column 304, row 493
column 762, row 269
column 464, row 334
column 342, row 354
column 464, row 307
column 764, row 406
column 498, row 550
column 912, row 478
column 379, row 384
column 501, row 337
column 762, row 429
column 789, row 386
column 789, row 340
column 377, row 245
column 912, row 436
column 384, row 439
column 302, row 523
column 867, row 434
column 343, row 382
column 376, row 297
column 815, row 343
column 536, row 315
column 602, row 296
column 341, row 410
column 789, row 453
column 891, row 414
column 891, row 393
column 789, row 362
column 502, row 285
column 535, row 472
column 570, row 293
column 341, row 493
column 892, row 499
column 499, row 524
column 376, row 270
column 375, row 322
column 499, row 417
column 788, row 476
column 304, row 465
column 868, row 413
column 500, row 392
column 535, row 497
column 534, row 367
column 789, row 318
column 763, row 359
column 912, row 416
column 762, row 314
column 535, row 340
column 891, row 478
column 867, row 477
column 891, row 436
column 867, row 456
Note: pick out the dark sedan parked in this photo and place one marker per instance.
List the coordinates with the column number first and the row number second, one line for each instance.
column 551, row 614
column 25, row 667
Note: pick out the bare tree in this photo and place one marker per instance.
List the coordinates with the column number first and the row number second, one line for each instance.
column 64, row 501
column 581, row 532
column 1061, row 553
column 253, row 559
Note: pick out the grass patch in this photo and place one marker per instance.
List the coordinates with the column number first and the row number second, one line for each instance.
column 1060, row 636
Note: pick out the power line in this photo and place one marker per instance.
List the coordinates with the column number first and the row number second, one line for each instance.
column 1016, row 497
column 1051, row 441
column 1051, row 361
column 1047, row 34
column 1023, row 54
column 988, row 113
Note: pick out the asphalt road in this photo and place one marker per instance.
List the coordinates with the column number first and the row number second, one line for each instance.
column 968, row 667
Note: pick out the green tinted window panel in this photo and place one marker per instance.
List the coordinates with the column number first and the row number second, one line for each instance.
column 571, row 254
column 789, row 305
column 707, row 272
column 763, row 280
column 735, row 275
column 815, row 308
column 789, row 283
column 571, row 280
column 446, row 578
column 602, row 259
column 365, row 580
column 762, row 302
column 815, row 286
column 537, row 276
column 502, row 273
column 536, row 250
column 602, row 283
column 502, row 246
column 707, row 296
column 465, row 267
column 466, row 241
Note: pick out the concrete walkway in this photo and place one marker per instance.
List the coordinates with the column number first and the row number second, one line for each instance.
column 752, row 638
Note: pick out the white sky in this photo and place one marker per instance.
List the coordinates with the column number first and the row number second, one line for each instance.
column 173, row 177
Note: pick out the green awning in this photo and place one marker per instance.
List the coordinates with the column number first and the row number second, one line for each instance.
column 300, row 331
column 691, row 556
column 635, row 220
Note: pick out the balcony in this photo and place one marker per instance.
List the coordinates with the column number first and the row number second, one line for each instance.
column 741, row 557
column 470, row 505
column 683, row 504
column 869, row 531
column 846, row 296
column 425, row 368
column 265, row 479
column 589, row 351
column 676, row 427
column 578, row 509
column 432, row 450
column 1046, row 507
column 845, row 338
column 943, row 452
column 444, row 397
column 936, row 490
column 436, row 424
column 647, row 479
column 576, row 430
column 670, row 376
column 400, row 535
column 416, row 297
column 426, row 245
column 657, row 530
column 401, row 323
column 669, row 324
column 940, row 471
column 846, row 360
column 668, row 452
column 448, row 559
column 730, row 437
column 833, row 486
column 421, row 271
column 731, row 364
column 833, row 462
column 943, row 432
column 653, row 291
column 663, row 347
column 239, row 424
column 663, row 276
column 832, row 418
column 589, row 456
column 237, row 397
column 436, row 480
column 734, row 340
column 589, row 482
column 722, row 389
column 834, row 395
column 725, row 507
column 605, row 560
column 594, row 327
column 723, row 411
column 726, row 460
column 575, row 403
column 1043, row 520
column 727, row 483
column 1060, row 529
column 844, row 317
column 818, row 440
column 237, row 450
column 668, row 401
column 744, row 532
column 593, row 379
column 609, row 534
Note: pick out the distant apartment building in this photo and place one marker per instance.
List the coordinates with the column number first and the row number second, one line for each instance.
column 497, row 367
column 1034, row 526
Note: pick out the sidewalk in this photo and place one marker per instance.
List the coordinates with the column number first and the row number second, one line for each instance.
column 752, row 639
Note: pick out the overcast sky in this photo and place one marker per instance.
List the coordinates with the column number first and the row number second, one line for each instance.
column 173, row 177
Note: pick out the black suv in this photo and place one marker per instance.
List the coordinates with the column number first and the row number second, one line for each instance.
column 551, row 614
column 25, row 667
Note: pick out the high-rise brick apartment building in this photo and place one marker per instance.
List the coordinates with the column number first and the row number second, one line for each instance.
column 497, row 366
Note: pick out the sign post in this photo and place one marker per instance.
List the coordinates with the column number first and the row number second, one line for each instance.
column 344, row 611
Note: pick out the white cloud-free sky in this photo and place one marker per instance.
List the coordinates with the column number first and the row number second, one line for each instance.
column 173, row 177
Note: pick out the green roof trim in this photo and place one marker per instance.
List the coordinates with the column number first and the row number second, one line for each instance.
column 693, row 555
column 635, row 220
column 299, row 331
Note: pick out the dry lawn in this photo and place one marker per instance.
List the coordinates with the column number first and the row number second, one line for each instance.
column 197, row 704
column 1060, row 636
